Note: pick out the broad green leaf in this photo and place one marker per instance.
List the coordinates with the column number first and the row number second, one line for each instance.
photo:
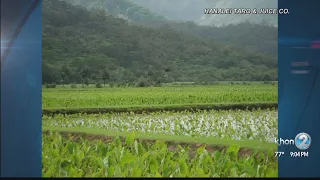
column 233, row 172
column 130, row 139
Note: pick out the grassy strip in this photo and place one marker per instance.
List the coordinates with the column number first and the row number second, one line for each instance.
column 254, row 144
column 175, row 108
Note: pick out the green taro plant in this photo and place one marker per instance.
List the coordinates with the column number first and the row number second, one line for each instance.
column 129, row 96
column 236, row 125
column 64, row 156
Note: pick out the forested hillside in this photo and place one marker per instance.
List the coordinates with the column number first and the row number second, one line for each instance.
column 183, row 10
column 120, row 8
column 192, row 10
column 90, row 46
column 252, row 37
column 258, row 36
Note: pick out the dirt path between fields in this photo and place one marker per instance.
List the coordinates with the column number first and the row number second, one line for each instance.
column 172, row 145
column 177, row 108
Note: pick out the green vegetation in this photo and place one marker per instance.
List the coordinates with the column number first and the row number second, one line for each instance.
column 101, row 133
column 159, row 108
column 237, row 125
column 67, row 157
column 79, row 46
column 250, row 36
column 154, row 96
column 161, row 144
column 120, row 8
column 192, row 10
column 235, row 143
column 130, row 94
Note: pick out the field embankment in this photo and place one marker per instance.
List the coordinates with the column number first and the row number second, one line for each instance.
column 173, row 108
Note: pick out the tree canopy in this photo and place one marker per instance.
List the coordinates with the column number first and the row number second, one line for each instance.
column 81, row 45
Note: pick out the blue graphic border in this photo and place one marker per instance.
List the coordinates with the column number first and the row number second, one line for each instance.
column 299, row 94
column 21, row 88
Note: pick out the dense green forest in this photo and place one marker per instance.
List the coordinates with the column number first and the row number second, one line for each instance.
column 83, row 46
column 260, row 37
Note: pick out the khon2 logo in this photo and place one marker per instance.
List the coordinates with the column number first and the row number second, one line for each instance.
column 303, row 141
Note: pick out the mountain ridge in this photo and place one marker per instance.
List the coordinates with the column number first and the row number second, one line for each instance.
column 183, row 10
column 193, row 10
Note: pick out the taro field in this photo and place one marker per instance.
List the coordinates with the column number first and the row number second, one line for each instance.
column 201, row 143
column 115, row 97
